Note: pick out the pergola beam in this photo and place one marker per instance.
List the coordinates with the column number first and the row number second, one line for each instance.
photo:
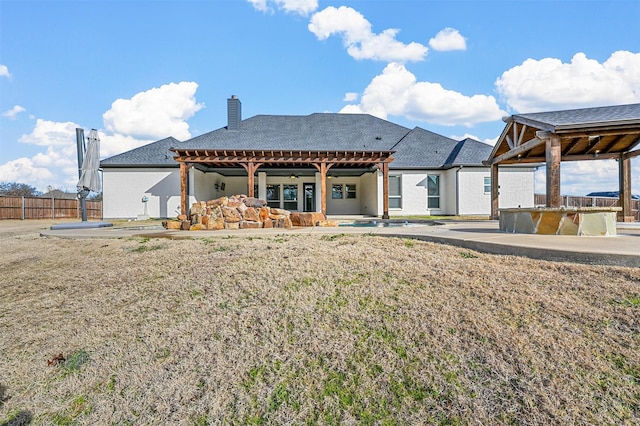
column 251, row 160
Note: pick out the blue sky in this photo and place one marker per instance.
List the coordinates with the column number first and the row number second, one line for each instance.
column 141, row 70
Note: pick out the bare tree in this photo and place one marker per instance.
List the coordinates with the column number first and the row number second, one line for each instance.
column 15, row 189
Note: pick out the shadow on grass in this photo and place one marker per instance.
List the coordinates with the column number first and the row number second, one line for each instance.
column 16, row 418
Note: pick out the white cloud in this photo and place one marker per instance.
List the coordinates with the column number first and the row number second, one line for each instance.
column 4, row 71
column 51, row 133
column 146, row 117
column 260, row 5
column 350, row 97
column 23, row 170
column 156, row 113
column 358, row 38
column 489, row 141
column 302, row 7
column 114, row 144
column 13, row 112
column 448, row 39
column 550, row 84
column 397, row 92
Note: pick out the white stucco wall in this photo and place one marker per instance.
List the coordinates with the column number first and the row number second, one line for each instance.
column 517, row 187
column 471, row 198
column 462, row 191
column 344, row 206
column 368, row 194
column 123, row 189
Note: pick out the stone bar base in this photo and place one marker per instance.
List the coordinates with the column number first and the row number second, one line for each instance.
column 588, row 221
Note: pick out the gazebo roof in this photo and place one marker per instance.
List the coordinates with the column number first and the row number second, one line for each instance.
column 586, row 134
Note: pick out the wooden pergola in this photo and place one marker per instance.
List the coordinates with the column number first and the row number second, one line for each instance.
column 573, row 135
column 251, row 160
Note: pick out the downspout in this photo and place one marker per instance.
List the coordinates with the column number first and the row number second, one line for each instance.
column 458, row 192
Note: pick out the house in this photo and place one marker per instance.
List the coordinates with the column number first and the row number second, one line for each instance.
column 339, row 164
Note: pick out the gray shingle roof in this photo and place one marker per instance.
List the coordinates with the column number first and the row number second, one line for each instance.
column 417, row 148
column 320, row 131
column 584, row 117
column 421, row 148
column 469, row 152
column 153, row 154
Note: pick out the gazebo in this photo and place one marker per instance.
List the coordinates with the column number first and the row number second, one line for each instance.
column 611, row 132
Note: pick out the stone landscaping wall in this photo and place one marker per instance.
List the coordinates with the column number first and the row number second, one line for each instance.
column 242, row 212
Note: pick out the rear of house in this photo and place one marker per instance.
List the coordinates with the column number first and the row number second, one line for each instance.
column 427, row 174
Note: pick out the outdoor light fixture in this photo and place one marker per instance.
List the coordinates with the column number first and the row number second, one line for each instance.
column 293, row 176
column 595, row 154
column 329, row 177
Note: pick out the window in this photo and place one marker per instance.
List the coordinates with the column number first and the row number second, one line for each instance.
column 395, row 192
column 336, row 191
column 350, row 190
column 290, row 196
column 273, row 196
column 340, row 191
column 487, row 185
column 433, row 191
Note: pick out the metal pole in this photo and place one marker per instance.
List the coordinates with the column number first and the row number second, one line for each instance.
column 82, row 194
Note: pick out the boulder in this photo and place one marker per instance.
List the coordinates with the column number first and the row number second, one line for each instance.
column 234, row 202
column 232, row 225
column 254, row 202
column 246, row 224
column 280, row 211
column 306, row 218
column 182, row 217
column 198, row 208
column 264, row 213
column 218, row 202
column 231, row 214
column 267, row 223
column 251, row 214
column 185, row 225
column 215, row 224
column 172, row 224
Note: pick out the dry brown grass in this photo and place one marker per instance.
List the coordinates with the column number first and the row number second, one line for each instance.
column 309, row 329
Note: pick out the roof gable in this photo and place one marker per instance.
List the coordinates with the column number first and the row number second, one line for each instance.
column 421, row 148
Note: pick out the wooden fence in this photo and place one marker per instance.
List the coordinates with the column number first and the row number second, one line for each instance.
column 575, row 201
column 46, row 208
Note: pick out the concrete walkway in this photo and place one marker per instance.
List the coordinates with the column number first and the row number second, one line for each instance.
column 483, row 236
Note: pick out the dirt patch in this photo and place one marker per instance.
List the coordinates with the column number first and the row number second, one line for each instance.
column 313, row 329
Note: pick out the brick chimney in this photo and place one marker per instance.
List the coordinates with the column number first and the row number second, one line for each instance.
column 234, row 113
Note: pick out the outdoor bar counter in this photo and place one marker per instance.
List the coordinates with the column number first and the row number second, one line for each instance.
column 587, row 221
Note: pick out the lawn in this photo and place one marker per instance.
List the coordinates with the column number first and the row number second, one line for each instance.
column 309, row 329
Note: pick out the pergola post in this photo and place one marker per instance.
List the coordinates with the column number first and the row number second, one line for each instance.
column 553, row 154
column 323, row 167
column 385, row 190
column 624, row 176
column 495, row 192
column 184, row 188
column 251, row 168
